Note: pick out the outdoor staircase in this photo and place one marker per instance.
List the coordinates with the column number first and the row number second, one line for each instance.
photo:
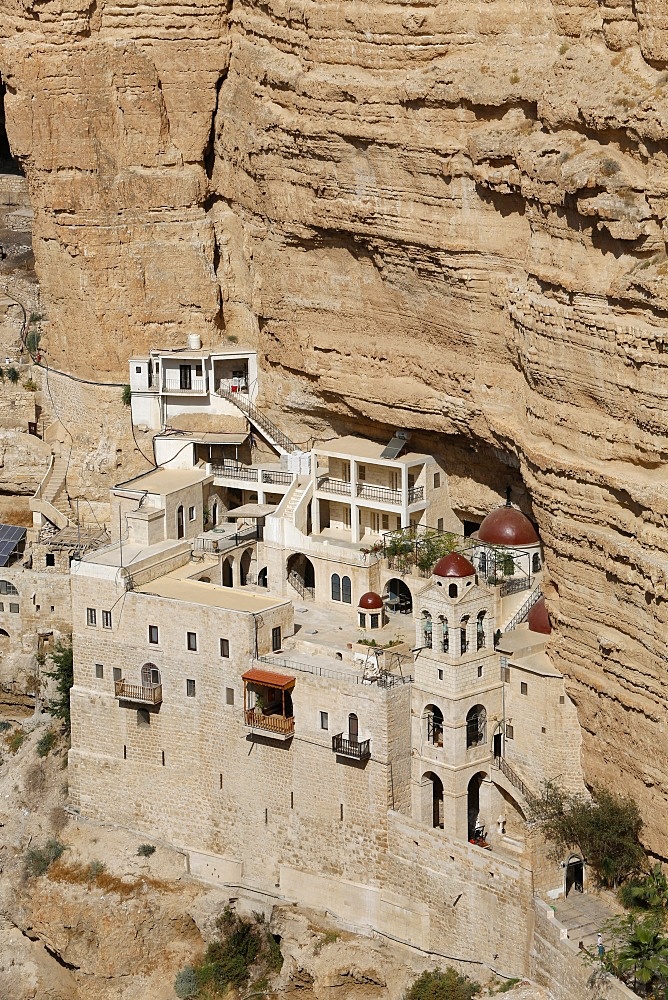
column 518, row 783
column 520, row 615
column 267, row 428
column 295, row 497
column 51, row 500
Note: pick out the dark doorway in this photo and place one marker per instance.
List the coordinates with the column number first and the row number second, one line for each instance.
column 498, row 745
column 228, row 576
column 575, row 875
column 432, row 807
column 185, row 377
column 180, row 529
column 262, row 580
column 244, row 566
column 353, row 728
column 301, row 575
column 474, row 805
column 398, row 597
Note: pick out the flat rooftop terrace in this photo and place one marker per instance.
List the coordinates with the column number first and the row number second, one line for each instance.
column 175, row 588
column 370, row 450
column 163, row 481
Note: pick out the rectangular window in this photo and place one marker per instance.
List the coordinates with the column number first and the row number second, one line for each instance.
column 2, row 606
column 153, row 634
column 276, row 638
column 505, row 674
column 191, row 641
column 190, row 688
column 106, row 619
column 324, row 720
column 91, row 616
column 510, row 732
column 374, row 621
column 386, row 522
column 561, row 699
column 439, row 524
column 50, row 559
column 437, row 480
column 118, row 674
column 53, row 608
column 346, row 517
column 361, row 471
column 191, row 513
column 225, row 648
column 137, row 369
column 198, row 371
column 99, row 671
column 479, row 671
column 440, row 675
column 523, row 688
column 375, row 521
column 13, row 609
column 229, row 696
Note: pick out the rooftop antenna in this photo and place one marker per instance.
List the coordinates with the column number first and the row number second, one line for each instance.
column 509, row 490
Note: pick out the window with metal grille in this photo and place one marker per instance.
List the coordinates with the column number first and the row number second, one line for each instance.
column 106, row 619
column 190, row 688
column 13, row 609
column 7, row 588
column 91, row 616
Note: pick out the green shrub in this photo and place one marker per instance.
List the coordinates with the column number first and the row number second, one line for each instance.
column 63, row 675
column 32, row 341
column 649, row 892
column 13, row 375
column 95, row 868
column 442, row 984
column 606, row 830
column 30, row 385
column 232, row 339
column 145, row 850
column 14, row 741
column 126, row 395
column 35, row 318
column 185, row 984
column 609, row 167
column 4, row 726
column 46, row 743
column 38, row 860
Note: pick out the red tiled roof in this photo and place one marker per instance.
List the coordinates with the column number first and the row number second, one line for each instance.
column 269, row 678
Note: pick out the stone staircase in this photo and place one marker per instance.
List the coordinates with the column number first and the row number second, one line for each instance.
column 267, row 428
column 295, row 497
column 521, row 613
column 51, row 500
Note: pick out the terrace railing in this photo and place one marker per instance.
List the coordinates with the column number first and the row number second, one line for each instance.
column 136, row 692
column 270, row 723
column 236, row 472
column 347, row 748
column 197, row 385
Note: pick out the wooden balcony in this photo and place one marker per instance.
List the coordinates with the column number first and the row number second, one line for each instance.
column 346, row 748
column 137, row 693
column 278, row 726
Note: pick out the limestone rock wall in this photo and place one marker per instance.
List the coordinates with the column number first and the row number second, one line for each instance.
column 445, row 216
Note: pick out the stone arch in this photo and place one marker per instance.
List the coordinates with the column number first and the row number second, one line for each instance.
column 227, row 572
column 445, row 634
column 397, row 597
column 473, row 802
column 150, row 676
column 476, row 726
column 180, row 521
column 301, row 574
column 262, row 577
column 433, row 716
column 5, row 641
column 335, row 583
column 426, row 627
column 432, row 800
column 463, row 635
column 480, row 638
column 244, row 566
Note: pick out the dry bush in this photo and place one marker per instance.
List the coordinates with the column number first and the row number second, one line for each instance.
column 35, row 779
column 58, row 819
column 88, row 875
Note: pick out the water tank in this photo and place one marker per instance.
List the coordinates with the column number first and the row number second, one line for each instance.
column 194, row 342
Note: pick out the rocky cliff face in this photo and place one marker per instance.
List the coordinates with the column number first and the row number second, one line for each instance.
column 445, row 216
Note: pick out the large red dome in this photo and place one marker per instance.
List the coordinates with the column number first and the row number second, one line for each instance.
column 370, row 602
column 454, row 564
column 539, row 619
column 507, row 526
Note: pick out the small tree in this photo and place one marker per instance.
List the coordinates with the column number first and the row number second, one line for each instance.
column 63, row 675
column 32, row 341
column 126, row 395
column 13, row 375
column 605, row 829
column 438, row 984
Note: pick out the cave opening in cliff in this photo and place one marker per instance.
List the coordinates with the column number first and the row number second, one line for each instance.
column 8, row 162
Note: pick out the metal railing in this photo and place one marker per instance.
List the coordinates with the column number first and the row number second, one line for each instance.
column 234, row 384
column 136, row 692
column 382, row 493
column 249, row 534
column 280, row 478
column 328, row 485
column 385, row 680
column 502, row 764
column 235, row 472
column 351, row 748
column 174, row 385
column 295, row 580
column 514, row 586
column 415, row 494
column 259, row 419
column 270, row 723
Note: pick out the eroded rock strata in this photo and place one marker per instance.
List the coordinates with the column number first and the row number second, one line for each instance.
column 449, row 217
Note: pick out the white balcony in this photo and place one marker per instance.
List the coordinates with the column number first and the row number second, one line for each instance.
column 188, row 387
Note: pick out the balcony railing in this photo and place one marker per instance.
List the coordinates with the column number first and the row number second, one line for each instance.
column 233, row 385
column 280, row 478
column 328, row 485
column 348, row 748
column 136, row 692
column 174, row 385
column 382, row 493
column 415, row 494
column 235, row 472
column 269, row 723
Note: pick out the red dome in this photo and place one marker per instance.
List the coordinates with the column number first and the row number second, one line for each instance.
column 539, row 619
column 370, row 602
column 453, row 564
column 507, row 526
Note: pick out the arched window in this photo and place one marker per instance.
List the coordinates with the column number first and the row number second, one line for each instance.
column 535, row 563
column 480, row 630
column 463, row 639
column 150, row 675
column 214, row 513
column 434, row 725
column 346, row 590
column 336, row 587
column 452, row 590
column 476, row 726
column 426, row 629
column 7, row 588
column 482, row 564
column 445, row 641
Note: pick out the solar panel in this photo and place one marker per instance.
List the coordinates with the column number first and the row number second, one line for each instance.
column 11, row 537
column 394, row 448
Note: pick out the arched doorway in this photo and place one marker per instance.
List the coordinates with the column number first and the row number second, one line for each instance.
column 150, row 676
column 474, row 825
column 262, row 578
column 214, row 513
column 227, row 573
column 301, row 575
column 397, row 597
column 180, row 527
column 244, row 566
column 432, row 800
column 4, row 641
column 574, row 874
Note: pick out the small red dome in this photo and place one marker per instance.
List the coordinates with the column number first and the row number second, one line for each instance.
column 370, row 602
column 507, row 526
column 539, row 619
column 454, row 564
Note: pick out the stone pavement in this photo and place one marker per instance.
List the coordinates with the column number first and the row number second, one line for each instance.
column 584, row 914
